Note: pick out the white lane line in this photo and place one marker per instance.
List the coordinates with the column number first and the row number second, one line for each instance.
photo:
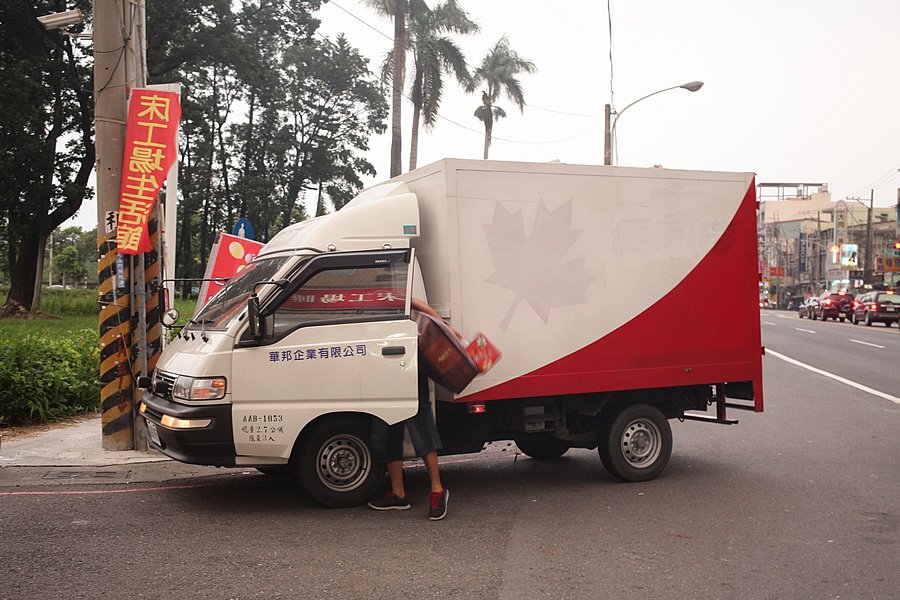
column 804, row 330
column 785, row 317
column 867, row 344
column 768, row 323
column 838, row 378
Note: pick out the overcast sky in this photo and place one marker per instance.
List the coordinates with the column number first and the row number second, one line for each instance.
column 795, row 90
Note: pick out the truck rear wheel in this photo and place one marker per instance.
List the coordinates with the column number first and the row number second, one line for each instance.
column 335, row 466
column 636, row 444
column 541, row 446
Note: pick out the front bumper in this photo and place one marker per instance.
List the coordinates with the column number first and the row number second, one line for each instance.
column 211, row 445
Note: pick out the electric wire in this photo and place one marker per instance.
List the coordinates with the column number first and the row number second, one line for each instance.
column 475, row 131
column 529, row 105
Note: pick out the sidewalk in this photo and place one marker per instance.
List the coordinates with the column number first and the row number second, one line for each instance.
column 75, row 445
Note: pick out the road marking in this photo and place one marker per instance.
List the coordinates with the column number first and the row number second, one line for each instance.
column 838, row 378
column 804, row 330
column 785, row 317
column 867, row 344
column 768, row 323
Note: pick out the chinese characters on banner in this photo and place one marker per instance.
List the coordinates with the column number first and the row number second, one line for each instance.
column 150, row 150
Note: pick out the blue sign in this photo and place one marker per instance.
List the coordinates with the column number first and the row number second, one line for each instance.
column 802, row 248
column 243, row 229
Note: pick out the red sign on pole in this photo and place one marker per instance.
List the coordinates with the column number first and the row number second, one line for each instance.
column 153, row 118
column 230, row 254
column 776, row 271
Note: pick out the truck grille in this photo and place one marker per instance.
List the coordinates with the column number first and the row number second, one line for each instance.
column 163, row 383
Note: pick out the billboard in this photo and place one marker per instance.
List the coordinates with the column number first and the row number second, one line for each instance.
column 849, row 256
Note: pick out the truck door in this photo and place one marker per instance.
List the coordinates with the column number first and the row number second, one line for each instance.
column 341, row 343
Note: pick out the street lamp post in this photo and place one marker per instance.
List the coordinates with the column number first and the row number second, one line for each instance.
column 610, row 130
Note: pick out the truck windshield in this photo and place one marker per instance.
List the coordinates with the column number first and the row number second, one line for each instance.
column 223, row 308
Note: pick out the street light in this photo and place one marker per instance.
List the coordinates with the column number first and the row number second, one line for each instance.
column 610, row 138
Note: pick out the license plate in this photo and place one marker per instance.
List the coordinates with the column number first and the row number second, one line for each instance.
column 154, row 434
column 890, row 309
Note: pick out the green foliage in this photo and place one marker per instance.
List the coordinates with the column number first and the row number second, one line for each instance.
column 43, row 377
column 46, row 137
column 69, row 303
column 74, row 253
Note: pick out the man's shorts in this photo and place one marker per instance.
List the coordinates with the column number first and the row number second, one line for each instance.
column 387, row 440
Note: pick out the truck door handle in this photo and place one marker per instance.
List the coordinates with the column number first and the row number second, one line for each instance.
column 393, row 351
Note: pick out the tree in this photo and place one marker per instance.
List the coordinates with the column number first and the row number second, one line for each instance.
column 433, row 55
column 398, row 11
column 498, row 71
column 46, row 138
column 84, row 244
column 70, row 266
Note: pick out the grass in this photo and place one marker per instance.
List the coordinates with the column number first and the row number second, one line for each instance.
column 49, row 365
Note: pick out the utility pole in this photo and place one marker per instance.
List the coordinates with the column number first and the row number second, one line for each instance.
column 607, row 141
column 870, row 259
column 119, row 66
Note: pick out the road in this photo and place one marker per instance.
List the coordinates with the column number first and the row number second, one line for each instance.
column 868, row 355
column 802, row 501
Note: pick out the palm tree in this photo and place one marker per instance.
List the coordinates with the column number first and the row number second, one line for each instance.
column 398, row 11
column 433, row 55
column 498, row 72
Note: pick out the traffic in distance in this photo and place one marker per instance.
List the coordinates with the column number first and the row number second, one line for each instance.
column 871, row 307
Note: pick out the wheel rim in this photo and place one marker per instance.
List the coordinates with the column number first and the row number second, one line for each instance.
column 344, row 462
column 641, row 443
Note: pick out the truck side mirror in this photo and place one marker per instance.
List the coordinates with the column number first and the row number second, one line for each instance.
column 255, row 320
column 168, row 316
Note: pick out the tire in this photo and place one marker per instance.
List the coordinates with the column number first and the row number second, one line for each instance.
column 335, row 463
column 636, row 444
column 842, row 319
column 276, row 471
column 853, row 319
column 813, row 317
column 868, row 319
column 541, row 446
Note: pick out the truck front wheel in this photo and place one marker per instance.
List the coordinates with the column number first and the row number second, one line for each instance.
column 335, row 463
column 541, row 446
column 636, row 444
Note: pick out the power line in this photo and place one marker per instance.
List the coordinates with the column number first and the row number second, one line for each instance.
column 880, row 181
column 388, row 37
column 480, row 133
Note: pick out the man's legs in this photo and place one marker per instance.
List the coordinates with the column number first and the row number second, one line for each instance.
column 434, row 474
column 395, row 472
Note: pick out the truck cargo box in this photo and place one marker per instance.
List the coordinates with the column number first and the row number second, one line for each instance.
column 593, row 278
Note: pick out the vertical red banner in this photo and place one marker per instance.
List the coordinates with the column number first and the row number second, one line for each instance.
column 150, row 150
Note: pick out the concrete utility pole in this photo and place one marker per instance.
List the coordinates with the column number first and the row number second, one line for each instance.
column 119, row 66
column 870, row 241
column 607, row 138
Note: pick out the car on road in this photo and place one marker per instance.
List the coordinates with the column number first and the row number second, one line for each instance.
column 877, row 307
column 834, row 305
column 807, row 308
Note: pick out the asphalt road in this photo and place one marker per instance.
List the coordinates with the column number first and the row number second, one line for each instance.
column 802, row 501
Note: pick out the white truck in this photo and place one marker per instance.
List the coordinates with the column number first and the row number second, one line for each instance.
column 619, row 297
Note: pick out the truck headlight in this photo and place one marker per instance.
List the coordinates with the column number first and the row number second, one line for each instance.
column 190, row 388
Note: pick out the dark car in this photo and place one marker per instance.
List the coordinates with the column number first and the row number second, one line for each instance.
column 807, row 308
column 877, row 307
column 834, row 305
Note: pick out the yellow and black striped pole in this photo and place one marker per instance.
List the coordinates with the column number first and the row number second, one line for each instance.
column 115, row 346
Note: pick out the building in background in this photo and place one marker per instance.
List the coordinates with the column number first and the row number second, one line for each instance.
column 809, row 243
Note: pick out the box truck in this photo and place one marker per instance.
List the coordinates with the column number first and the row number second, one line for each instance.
column 620, row 298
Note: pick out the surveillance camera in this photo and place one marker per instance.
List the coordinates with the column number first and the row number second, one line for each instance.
column 61, row 20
